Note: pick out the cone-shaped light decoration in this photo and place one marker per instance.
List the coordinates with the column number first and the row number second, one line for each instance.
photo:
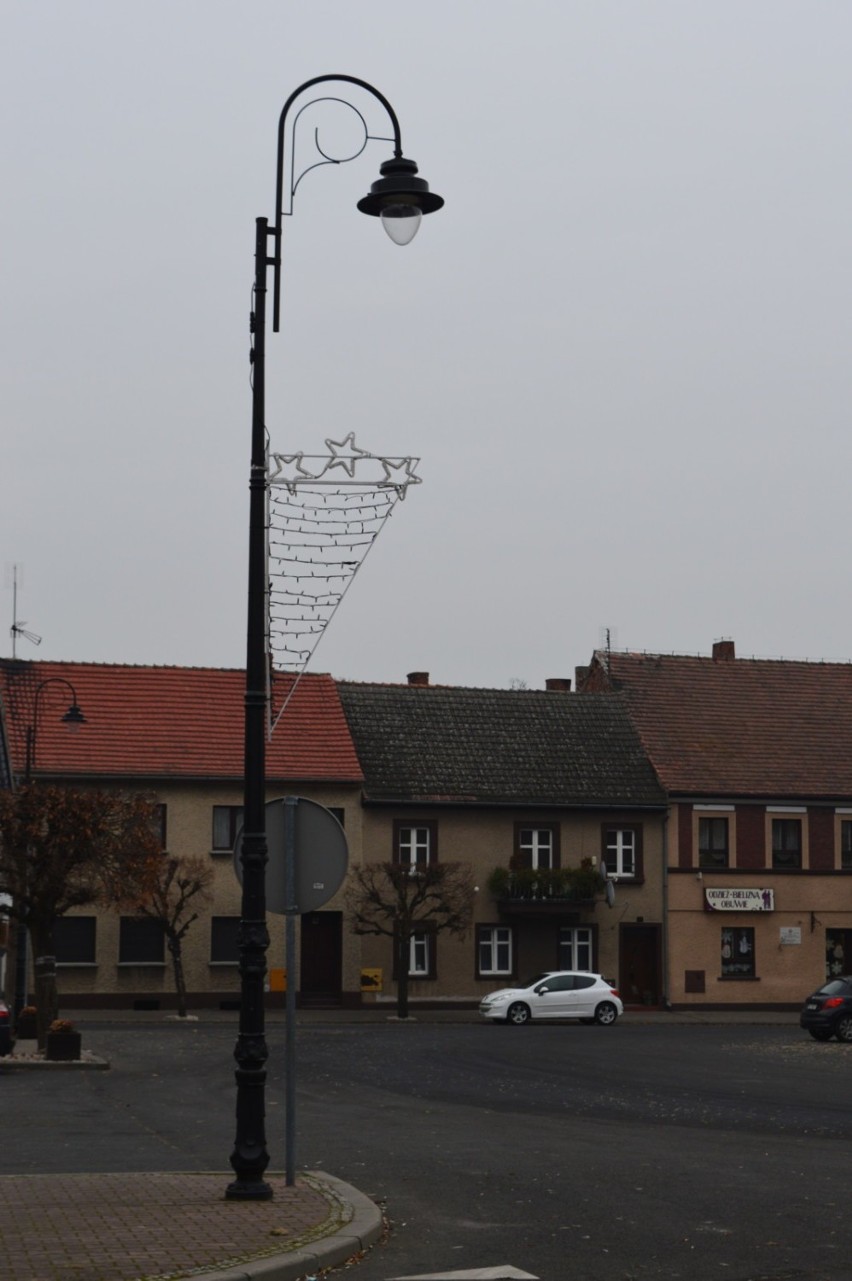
column 400, row 199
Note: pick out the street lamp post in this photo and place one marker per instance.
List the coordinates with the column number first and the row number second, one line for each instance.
column 400, row 199
column 72, row 718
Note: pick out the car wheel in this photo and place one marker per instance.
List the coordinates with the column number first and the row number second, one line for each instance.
column 843, row 1028
column 606, row 1013
column 518, row 1013
column 819, row 1034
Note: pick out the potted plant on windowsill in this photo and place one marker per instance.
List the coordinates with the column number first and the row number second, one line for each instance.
column 63, row 1042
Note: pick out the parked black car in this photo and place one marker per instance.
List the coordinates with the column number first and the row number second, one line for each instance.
column 7, row 1041
column 828, row 1011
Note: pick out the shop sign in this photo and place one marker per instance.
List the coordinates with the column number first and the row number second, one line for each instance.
column 739, row 900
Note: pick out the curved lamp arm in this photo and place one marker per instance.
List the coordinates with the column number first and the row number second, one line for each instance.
column 397, row 184
column 72, row 717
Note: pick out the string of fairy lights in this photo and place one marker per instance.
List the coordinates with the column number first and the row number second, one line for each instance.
column 325, row 512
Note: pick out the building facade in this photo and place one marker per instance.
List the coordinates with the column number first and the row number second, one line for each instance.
column 176, row 736
column 536, row 791
column 756, row 760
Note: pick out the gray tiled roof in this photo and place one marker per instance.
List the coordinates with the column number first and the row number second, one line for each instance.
column 439, row 743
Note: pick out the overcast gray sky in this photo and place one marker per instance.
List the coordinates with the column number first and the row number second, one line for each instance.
column 622, row 350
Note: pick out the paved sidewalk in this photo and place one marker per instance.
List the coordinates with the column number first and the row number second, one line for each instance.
column 162, row 1227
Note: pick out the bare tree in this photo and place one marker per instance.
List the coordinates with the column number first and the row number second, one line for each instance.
column 399, row 900
column 179, row 883
column 63, row 847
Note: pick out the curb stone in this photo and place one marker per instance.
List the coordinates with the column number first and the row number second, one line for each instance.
column 361, row 1231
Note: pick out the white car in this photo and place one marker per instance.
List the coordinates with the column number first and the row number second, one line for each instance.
column 556, row 994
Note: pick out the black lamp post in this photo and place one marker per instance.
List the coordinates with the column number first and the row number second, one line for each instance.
column 73, row 717
column 399, row 198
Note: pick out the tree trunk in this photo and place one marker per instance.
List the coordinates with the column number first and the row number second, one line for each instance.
column 180, row 980
column 44, row 965
column 402, row 960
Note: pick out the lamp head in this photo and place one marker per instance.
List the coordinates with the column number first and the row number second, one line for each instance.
column 73, row 717
column 400, row 199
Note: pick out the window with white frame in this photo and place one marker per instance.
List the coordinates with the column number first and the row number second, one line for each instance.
column 620, row 850
column 494, row 950
column 575, row 947
column 415, row 844
column 536, row 847
column 419, row 954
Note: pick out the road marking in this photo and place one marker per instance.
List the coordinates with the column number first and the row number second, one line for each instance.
column 503, row 1272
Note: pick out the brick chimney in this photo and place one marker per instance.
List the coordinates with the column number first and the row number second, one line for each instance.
column 559, row 684
column 581, row 675
column 418, row 678
column 723, row 651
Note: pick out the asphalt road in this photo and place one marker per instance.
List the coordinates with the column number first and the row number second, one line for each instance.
column 568, row 1151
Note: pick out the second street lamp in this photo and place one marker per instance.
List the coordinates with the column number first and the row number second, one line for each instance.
column 72, row 718
column 400, row 198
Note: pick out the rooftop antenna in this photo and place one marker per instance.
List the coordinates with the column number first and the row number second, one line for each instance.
column 18, row 627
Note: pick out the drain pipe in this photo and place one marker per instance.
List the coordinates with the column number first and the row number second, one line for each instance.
column 665, row 957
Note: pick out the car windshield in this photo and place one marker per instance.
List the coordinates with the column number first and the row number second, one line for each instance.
column 532, row 982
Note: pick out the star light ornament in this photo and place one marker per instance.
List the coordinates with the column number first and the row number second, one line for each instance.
column 293, row 470
column 324, row 514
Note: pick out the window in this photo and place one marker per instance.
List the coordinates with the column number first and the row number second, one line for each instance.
column 421, row 955
column 224, row 947
column 621, row 851
column 415, row 844
column 74, row 939
column 846, row 845
column 536, row 846
column 564, row 983
column 737, row 952
column 494, row 950
column 158, row 823
column 838, row 951
column 141, row 941
column 786, row 842
column 712, row 842
column 418, row 962
column 227, row 821
column 575, row 947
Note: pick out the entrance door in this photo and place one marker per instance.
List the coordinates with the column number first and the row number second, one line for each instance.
column 639, row 966
column 321, row 958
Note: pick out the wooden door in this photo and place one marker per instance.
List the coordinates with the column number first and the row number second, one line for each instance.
column 321, row 958
column 639, row 965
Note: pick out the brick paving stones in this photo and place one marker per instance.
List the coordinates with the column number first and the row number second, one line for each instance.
column 125, row 1227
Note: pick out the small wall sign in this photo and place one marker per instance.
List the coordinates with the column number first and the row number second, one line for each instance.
column 790, row 935
column 739, row 900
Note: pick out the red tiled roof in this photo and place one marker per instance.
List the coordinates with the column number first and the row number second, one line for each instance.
column 747, row 727
column 169, row 722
